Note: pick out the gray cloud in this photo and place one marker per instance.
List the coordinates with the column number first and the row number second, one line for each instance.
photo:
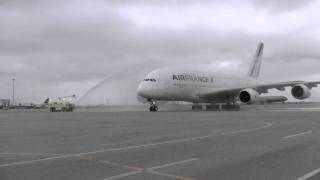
column 55, row 49
column 275, row 6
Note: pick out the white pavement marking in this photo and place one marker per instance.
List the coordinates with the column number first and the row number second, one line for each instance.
column 123, row 175
column 302, row 109
column 152, row 168
column 176, row 140
column 148, row 145
column 305, row 108
column 309, row 175
column 30, row 154
column 248, row 130
column 172, row 164
column 299, row 134
column 292, row 110
column 267, row 125
column 36, row 160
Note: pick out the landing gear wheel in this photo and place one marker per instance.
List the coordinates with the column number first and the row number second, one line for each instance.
column 153, row 108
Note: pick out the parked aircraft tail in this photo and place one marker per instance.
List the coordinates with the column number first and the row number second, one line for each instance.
column 254, row 70
column 46, row 101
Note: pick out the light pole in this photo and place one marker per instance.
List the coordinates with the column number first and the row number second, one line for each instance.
column 13, row 79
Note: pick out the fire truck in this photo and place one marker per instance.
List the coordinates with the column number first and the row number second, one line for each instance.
column 62, row 104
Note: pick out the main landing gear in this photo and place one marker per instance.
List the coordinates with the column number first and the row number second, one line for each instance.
column 153, row 106
column 230, row 105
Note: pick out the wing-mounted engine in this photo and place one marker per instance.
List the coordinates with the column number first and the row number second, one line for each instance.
column 249, row 96
column 300, row 91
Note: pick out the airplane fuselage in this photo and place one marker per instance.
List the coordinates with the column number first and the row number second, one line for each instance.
column 174, row 84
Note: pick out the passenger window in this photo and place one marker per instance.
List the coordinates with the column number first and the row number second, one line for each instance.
column 152, row 80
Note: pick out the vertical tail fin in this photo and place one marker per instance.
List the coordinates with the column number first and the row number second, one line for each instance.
column 46, row 101
column 254, row 70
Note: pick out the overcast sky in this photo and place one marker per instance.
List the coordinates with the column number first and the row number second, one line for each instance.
column 57, row 48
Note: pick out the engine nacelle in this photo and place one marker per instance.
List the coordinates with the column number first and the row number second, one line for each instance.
column 300, row 92
column 249, row 96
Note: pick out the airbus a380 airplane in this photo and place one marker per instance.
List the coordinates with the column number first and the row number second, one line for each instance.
column 196, row 86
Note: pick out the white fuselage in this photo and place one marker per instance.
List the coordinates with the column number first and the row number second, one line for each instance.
column 174, row 84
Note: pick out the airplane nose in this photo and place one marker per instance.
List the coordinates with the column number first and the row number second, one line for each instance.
column 141, row 90
column 145, row 90
column 142, row 94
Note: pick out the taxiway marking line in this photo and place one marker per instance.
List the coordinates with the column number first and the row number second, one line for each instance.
column 109, row 163
column 295, row 135
column 305, row 108
column 297, row 110
column 300, row 109
column 169, row 175
column 267, row 125
column 123, row 175
column 148, row 145
column 172, row 164
column 153, row 171
column 35, row 160
column 248, row 130
column 30, row 154
column 309, row 175
column 137, row 170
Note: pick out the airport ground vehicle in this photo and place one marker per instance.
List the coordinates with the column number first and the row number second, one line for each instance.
column 63, row 104
column 60, row 106
column 4, row 104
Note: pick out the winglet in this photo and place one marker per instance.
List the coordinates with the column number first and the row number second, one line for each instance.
column 254, row 70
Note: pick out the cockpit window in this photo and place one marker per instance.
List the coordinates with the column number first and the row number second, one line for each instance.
column 152, row 80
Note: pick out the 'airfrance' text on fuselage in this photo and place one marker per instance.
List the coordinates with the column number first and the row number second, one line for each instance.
column 189, row 77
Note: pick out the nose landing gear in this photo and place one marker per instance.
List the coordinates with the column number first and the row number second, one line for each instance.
column 153, row 106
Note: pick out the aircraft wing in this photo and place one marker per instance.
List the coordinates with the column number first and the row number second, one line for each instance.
column 222, row 95
column 280, row 86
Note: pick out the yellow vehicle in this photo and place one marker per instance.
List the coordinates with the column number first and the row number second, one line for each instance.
column 61, row 107
column 62, row 104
